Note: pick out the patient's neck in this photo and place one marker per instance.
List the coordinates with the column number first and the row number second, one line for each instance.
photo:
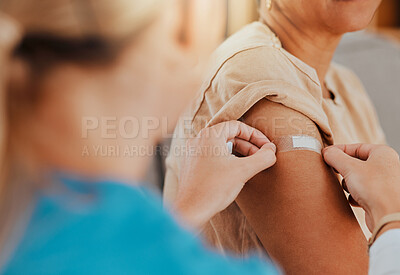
column 314, row 46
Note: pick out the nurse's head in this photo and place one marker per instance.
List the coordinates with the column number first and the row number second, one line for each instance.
column 335, row 16
column 90, row 86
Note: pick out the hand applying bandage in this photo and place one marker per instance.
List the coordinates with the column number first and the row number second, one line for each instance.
column 372, row 176
column 211, row 177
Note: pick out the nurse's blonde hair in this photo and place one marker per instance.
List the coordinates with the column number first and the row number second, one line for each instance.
column 42, row 33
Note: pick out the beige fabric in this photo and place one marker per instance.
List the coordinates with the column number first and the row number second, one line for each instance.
column 252, row 65
column 66, row 18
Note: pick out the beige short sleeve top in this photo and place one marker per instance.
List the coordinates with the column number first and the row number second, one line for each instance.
column 252, row 65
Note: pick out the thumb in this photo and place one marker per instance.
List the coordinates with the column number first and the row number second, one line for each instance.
column 339, row 160
column 263, row 159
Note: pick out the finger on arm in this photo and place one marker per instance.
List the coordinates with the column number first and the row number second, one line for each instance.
column 359, row 151
column 236, row 129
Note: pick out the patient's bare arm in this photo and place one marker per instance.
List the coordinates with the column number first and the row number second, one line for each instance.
column 297, row 208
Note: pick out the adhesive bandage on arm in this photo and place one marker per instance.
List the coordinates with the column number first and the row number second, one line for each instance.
column 229, row 144
column 297, row 143
column 291, row 143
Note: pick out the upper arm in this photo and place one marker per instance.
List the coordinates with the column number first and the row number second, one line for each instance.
column 297, row 208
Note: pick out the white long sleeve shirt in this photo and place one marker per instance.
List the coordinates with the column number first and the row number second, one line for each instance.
column 385, row 254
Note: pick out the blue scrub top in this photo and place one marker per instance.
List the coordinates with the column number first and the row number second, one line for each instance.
column 111, row 228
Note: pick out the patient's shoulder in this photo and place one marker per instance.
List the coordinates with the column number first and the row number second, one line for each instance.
column 252, row 55
column 257, row 73
column 256, row 64
column 250, row 37
column 276, row 120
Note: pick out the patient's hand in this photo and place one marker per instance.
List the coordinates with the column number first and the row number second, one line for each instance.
column 211, row 177
column 297, row 208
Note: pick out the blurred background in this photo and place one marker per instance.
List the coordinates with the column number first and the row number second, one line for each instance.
column 386, row 21
column 373, row 54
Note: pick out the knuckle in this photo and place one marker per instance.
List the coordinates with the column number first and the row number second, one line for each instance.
column 389, row 151
column 235, row 123
column 394, row 153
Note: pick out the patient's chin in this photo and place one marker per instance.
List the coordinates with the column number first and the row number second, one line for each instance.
column 346, row 24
